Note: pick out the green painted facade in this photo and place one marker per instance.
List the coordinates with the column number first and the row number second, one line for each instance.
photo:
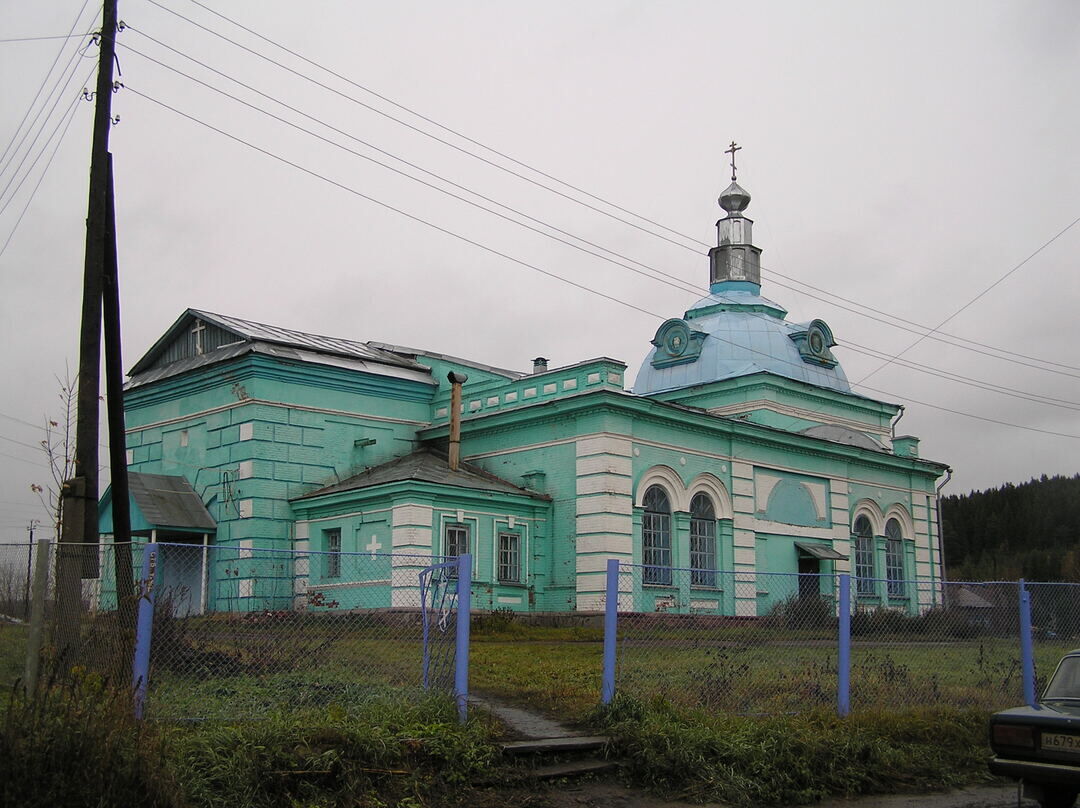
column 290, row 439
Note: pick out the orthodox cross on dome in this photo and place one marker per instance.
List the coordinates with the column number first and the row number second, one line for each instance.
column 731, row 150
column 197, row 332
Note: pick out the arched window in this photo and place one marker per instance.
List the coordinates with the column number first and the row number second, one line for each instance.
column 894, row 558
column 702, row 541
column 656, row 537
column 864, row 556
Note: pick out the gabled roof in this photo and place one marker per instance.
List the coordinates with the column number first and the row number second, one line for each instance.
column 161, row 501
column 429, row 466
column 251, row 332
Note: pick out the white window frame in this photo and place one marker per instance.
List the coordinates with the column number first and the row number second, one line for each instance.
column 656, row 541
column 509, row 557
column 864, row 558
column 894, row 559
column 703, row 530
column 332, row 543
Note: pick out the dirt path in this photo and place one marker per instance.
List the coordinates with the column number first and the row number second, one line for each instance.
column 613, row 795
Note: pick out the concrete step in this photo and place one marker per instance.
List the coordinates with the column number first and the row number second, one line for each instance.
column 573, row 768
column 535, row 746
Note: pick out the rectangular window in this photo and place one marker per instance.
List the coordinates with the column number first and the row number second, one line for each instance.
column 894, row 567
column 456, row 540
column 656, row 548
column 509, row 558
column 864, row 565
column 332, row 559
column 703, row 552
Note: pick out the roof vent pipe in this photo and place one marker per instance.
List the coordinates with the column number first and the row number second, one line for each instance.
column 454, row 453
column 540, row 365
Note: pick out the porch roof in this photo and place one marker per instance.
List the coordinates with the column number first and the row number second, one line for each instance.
column 426, row 465
column 822, row 552
column 160, row 502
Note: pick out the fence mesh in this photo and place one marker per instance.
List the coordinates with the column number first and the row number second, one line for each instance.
column 77, row 633
column 738, row 642
column 927, row 643
column 1055, row 626
column 242, row 632
column 753, row 642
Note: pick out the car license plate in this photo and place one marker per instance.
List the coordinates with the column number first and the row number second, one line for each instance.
column 1059, row 742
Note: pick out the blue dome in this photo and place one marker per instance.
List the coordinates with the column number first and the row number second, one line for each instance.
column 744, row 333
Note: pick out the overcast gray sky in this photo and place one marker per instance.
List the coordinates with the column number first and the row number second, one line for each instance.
column 901, row 155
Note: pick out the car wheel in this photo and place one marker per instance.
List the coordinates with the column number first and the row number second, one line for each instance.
column 1058, row 797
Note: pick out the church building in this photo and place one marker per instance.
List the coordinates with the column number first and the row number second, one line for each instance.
column 736, row 448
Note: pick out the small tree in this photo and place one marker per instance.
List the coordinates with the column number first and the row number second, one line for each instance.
column 59, row 448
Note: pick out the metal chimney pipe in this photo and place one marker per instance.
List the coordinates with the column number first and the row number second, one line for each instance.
column 454, row 453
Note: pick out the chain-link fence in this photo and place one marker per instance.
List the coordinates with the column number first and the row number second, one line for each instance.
column 753, row 642
column 236, row 632
column 1055, row 626
column 72, row 631
column 932, row 643
column 740, row 642
column 239, row 632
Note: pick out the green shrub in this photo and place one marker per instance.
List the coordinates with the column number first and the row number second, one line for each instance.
column 74, row 743
column 795, row 759
column 387, row 752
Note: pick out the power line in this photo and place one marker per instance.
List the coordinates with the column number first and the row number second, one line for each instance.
column 1024, row 395
column 41, row 38
column 930, row 331
column 37, row 185
column 977, row 297
column 44, row 81
column 33, row 143
column 20, row 443
column 58, row 88
column 407, row 125
column 492, row 250
column 674, row 281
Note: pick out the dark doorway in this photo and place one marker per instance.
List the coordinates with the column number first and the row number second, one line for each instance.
column 809, row 583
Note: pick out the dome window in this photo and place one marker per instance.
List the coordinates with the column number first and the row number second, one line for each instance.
column 676, row 343
column 814, row 344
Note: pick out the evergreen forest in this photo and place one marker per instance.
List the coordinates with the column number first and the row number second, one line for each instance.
column 1030, row 530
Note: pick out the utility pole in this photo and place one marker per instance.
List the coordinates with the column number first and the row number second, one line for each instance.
column 29, row 564
column 76, row 556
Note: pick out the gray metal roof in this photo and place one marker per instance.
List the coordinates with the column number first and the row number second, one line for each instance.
column 426, row 465
column 820, row 551
column 251, row 331
column 469, row 363
column 169, row 501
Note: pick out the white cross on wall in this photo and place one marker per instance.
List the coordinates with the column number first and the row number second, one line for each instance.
column 373, row 547
column 197, row 331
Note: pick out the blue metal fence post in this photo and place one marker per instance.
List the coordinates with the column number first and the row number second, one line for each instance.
column 611, row 625
column 1027, row 654
column 843, row 657
column 140, row 665
column 461, row 650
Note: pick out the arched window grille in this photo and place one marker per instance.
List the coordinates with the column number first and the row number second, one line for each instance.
column 894, row 558
column 656, row 537
column 702, row 541
column 864, row 557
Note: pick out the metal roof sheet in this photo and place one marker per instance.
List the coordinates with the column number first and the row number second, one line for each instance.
column 166, row 500
column 252, row 331
column 426, row 465
column 820, row 551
